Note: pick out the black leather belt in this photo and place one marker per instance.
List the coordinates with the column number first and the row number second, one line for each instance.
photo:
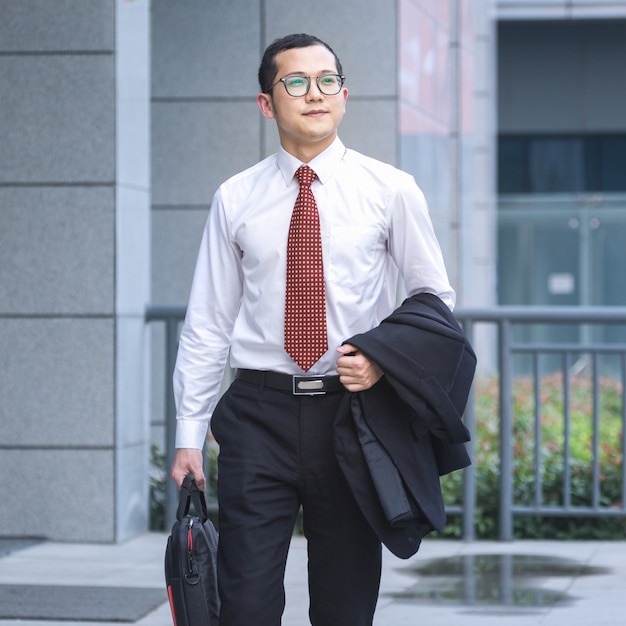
column 297, row 385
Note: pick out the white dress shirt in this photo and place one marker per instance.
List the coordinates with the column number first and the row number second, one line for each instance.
column 374, row 221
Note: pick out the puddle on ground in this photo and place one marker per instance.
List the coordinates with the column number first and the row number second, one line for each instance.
column 509, row 582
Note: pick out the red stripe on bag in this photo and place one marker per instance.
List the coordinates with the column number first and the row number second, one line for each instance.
column 170, row 597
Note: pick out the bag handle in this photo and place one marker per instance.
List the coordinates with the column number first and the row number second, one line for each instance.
column 189, row 492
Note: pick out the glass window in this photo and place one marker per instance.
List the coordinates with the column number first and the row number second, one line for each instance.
column 556, row 165
column 612, row 174
column 512, row 165
column 561, row 164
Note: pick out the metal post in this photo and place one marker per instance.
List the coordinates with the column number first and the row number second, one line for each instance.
column 171, row 504
column 623, row 367
column 506, row 432
column 469, row 473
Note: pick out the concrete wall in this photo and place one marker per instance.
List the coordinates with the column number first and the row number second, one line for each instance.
column 74, row 253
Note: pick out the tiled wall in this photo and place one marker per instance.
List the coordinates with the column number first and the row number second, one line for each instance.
column 73, row 262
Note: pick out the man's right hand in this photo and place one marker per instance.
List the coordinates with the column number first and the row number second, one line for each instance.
column 188, row 461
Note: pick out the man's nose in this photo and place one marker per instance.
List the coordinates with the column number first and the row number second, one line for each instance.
column 314, row 92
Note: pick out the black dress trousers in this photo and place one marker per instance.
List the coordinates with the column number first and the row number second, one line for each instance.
column 276, row 454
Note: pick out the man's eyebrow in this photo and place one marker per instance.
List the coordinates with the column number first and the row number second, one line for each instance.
column 302, row 73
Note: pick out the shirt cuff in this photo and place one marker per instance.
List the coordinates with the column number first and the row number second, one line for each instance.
column 191, row 433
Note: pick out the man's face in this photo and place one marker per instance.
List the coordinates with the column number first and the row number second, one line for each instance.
column 306, row 124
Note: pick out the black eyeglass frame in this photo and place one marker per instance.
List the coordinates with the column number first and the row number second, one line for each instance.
column 342, row 80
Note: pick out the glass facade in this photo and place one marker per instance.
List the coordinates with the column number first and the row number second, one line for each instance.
column 561, row 168
column 562, row 219
column 563, row 249
column 562, row 163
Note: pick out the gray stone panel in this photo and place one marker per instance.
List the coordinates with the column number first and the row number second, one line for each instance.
column 132, row 490
column 132, row 264
column 64, row 495
column 176, row 237
column 370, row 128
column 57, row 382
column 363, row 35
column 205, row 49
column 132, row 75
column 196, row 146
column 61, row 25
column 271, row 140
column 56, row 250
column 58, row 118
column 132, row 353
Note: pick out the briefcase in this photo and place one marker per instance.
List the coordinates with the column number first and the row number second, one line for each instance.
column 191, row 562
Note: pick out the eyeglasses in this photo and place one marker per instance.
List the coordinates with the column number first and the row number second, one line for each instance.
column 297, row 86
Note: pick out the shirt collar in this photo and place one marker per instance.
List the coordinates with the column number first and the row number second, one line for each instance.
column 324, row 164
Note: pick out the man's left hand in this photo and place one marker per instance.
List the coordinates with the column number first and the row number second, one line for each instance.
column 356, row 371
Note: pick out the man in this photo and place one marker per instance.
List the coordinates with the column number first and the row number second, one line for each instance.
column 276, row 450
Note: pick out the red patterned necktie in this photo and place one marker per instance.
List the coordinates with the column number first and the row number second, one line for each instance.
column 305, row 301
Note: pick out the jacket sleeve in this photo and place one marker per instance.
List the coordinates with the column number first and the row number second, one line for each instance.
column 429, row 362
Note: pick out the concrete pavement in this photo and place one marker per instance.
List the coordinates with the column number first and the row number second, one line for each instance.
column 446, row 584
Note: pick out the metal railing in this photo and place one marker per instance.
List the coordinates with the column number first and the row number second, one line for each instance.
column 172, row 318
column 505, row 347
column 586, row 322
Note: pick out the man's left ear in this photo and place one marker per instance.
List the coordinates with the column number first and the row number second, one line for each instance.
column 265, row 104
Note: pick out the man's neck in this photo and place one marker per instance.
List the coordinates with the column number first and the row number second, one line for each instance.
column 307, row 152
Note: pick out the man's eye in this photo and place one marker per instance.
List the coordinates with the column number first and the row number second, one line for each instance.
column 296, row 82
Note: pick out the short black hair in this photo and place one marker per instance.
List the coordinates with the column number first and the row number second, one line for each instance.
column 268, row 67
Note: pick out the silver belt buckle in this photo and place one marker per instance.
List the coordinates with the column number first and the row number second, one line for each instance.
column 308, row 385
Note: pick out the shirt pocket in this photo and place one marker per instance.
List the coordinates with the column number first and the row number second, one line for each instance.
column 355, row 252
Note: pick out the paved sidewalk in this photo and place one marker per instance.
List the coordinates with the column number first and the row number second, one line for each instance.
column 460, row 584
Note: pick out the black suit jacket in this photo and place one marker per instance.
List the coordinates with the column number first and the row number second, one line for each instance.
column 394, row 440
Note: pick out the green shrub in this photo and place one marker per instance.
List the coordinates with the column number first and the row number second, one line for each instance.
column 158, row 478
column 551, row 458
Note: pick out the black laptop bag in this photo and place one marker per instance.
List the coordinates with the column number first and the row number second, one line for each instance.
column 191, row 562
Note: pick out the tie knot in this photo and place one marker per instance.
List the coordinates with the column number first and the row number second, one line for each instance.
column 305, row 176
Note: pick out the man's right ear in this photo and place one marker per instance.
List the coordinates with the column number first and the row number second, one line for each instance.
column 265, row 104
